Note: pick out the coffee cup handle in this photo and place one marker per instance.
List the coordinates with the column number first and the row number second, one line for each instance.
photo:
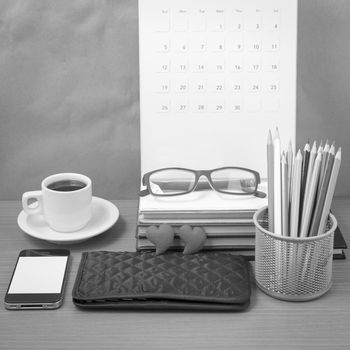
column 37, row 195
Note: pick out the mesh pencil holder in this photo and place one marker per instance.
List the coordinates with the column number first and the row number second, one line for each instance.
column 293, row 269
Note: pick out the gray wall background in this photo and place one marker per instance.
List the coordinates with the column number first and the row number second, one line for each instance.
column 69, row 90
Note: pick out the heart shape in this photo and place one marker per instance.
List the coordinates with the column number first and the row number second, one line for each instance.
column 194, row 238
column 162, row 237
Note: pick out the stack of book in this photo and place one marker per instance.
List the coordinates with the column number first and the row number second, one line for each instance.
column 226, row 219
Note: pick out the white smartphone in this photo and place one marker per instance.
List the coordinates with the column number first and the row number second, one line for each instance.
column 38, row 279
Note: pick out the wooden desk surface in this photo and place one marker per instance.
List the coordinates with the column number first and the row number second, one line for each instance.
column 268, row 323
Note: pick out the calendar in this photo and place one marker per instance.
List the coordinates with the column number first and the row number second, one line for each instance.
column 215, row 76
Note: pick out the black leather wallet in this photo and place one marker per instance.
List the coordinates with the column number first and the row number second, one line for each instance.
column 143, row 280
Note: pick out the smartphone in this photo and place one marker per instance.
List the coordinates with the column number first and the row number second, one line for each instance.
column 38, row 279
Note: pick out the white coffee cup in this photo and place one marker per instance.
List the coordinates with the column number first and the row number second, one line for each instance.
column 64, row 201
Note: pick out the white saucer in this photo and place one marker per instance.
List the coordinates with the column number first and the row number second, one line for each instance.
column 104, row 215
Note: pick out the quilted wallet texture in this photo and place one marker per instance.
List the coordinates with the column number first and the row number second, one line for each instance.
column 143, row 280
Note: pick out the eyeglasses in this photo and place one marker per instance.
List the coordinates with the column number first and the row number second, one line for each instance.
column 179, row 181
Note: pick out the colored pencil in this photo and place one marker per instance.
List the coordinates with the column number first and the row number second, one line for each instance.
column 294, row 210
column 285, row 201
column 270, row 184
column 322, row 194
column 277, row 184
column 330, row 192
column 310, row 198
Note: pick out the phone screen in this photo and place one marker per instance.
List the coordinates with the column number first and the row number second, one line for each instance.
column 38, row 275
column 38, row 279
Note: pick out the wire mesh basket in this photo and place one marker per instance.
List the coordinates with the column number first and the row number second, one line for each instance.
column 293, row 269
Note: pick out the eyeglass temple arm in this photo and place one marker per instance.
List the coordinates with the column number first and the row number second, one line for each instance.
column 143, row 193
column 260, row 194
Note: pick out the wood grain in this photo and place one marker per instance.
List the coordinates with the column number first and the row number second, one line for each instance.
column 268, row 323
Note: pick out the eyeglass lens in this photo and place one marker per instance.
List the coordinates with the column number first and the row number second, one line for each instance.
column 172, row 181
column 235, row 181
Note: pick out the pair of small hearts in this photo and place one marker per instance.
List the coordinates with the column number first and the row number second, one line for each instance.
column 163, row 236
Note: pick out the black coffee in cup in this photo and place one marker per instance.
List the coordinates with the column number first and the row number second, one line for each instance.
column 66, row 185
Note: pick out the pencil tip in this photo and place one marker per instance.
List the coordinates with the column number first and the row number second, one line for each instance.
column 277, row 134
column 269, row 138
column 307, row 147
column 338, row 155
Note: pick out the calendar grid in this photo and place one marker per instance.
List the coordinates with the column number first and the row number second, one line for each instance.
column 206, row 59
